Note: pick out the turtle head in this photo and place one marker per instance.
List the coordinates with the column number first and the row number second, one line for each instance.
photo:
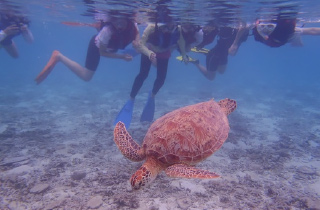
column 140, row 178
column 145, row 174
column 227, row 105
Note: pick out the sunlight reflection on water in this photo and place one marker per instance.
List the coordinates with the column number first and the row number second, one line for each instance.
column 200, row 11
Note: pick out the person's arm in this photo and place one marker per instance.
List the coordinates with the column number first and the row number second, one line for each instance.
column 8, row 31
column 310, row 31
column 182, row 46
column 26, row 33
column 142, row 46
column 241, row 36
column 103, row 39
column 103, row 52
column 136, row 41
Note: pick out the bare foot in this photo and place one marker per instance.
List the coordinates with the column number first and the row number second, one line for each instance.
column 49, row 67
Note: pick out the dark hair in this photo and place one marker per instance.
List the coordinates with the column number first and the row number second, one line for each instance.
column 17, row 20
column 161, row 38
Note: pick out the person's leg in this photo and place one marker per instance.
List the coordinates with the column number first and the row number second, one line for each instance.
column 210, row 75
column 223, row 61
column 217, row 58
column 145, row 66
column 85, row 73
column 125, row 114
column 212, row 59
column 222, row 68
column 12, row 49
column 92, row 61
column 162, row 67
column 209, row 71
column 148, row 111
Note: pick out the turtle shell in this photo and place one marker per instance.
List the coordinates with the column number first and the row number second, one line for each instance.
column 187, row 135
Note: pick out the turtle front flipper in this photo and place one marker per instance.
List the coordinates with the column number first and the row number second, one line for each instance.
column 128, row 147
column 185, row 171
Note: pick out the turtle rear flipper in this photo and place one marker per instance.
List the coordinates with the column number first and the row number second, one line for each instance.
column 185, row 171
column 128, row 147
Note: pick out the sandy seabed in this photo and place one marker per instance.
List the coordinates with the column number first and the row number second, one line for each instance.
column 57, row 152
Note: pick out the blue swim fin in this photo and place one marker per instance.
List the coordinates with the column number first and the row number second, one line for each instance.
column 148, row 111
column 125, row 115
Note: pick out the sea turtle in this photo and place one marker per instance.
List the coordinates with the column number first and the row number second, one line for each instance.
column 177, row 141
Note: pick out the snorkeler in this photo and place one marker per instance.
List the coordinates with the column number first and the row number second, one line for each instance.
column 115, row 34
column 217, row 57
column 279, row 30
column 157, row 42
column 12, row 25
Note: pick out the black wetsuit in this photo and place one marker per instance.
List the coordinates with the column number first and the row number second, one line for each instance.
column 218, row 55
column 157, row 39
column 93, row 55
column 145, row 64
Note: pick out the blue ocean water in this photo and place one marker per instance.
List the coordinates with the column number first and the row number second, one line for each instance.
column 276, row 122
column 286, row 65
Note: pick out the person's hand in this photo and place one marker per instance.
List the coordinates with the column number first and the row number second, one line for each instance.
column 11, row 30
column 153, row 59
column 127, row 57
column 24, row 28
column 135, row 43
column 185, row 59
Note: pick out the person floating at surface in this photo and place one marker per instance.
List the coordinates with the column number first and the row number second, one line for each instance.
column 277, row 32
column 217, row 57
column 10, row 26
column 114, row 35
column 274, row 34
column 157, row 42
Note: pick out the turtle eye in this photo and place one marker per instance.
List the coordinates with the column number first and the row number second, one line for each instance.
column 136, row 183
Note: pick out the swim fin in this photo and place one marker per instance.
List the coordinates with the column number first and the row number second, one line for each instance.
column 202, row 50
column 191, row 60
column 94, row 25
column 125, row 115
column 48, row 68
column 148, row 111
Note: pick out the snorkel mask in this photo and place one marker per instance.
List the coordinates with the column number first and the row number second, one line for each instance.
column 265, row 29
